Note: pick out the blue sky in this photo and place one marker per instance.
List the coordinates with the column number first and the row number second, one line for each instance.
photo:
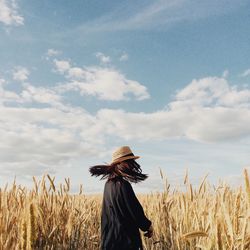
column 169, row 78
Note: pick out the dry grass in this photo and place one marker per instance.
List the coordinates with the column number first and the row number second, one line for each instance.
column 47, row 217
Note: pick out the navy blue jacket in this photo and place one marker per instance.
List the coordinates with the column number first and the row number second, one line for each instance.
column 122, row 216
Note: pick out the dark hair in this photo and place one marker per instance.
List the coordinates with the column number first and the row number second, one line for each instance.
column 132, row 172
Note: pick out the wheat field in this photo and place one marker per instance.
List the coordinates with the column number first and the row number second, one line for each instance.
column 49, row 217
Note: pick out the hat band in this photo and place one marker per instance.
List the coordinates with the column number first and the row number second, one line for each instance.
column 131, row 154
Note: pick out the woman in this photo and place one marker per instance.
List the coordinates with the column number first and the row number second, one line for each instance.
column 122, row 214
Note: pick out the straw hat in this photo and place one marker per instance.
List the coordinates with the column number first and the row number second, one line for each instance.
column 122, row 154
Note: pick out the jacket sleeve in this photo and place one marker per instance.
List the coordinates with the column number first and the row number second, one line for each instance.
column 134, row 207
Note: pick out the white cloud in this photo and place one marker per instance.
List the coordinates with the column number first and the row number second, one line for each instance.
column 123, row 57
column 45, row 138
column 211, row 91
column 53, row 52
column 35, row 139
column 62, row 65
column 225, row 73
column 207, row 110
column 77, row 73
column 104, row 83
column 2, row 81
column 40, row 95
column 20, row 74
column 246, row 73
column 157, row 14
column 6, row 95
column 26, row 169
column 9, row 13
column 31, row 95
column 141, row 126
column 103, row 58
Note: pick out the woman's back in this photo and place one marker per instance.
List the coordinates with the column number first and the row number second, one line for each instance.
column 122, row 216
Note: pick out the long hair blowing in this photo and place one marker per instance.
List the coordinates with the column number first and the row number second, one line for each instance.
column 131, row 172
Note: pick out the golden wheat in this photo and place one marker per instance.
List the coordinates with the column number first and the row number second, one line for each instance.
column 49, row 217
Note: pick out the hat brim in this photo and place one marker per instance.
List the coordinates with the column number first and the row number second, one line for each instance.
column 124, row 159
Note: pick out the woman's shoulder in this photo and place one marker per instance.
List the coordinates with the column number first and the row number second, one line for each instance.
column 118, row 181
